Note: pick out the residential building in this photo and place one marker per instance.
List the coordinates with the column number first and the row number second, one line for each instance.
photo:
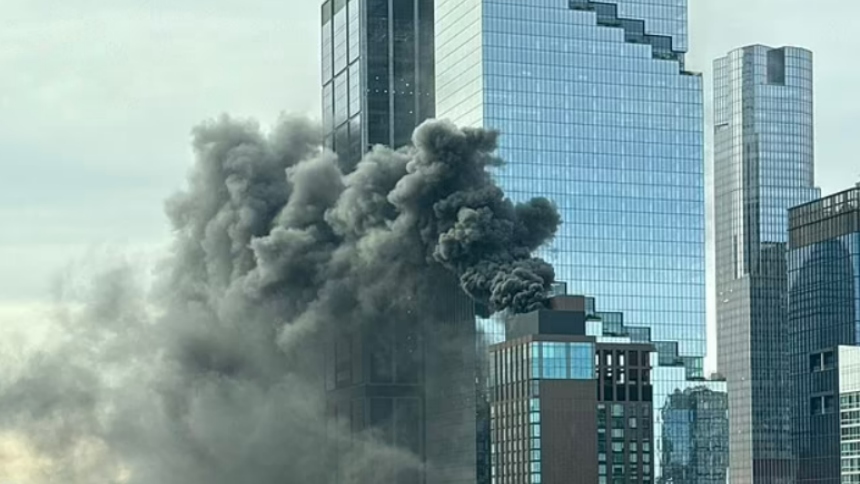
column 597, row 112
column 823, row 323
column 566, row 406
column 377, row 73
column 763, row 165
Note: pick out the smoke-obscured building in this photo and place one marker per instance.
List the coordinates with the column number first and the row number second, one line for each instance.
column 823, row 322
column 598, row 113
column 421, row 386
column 377, row 73
column 413, row 385
column 763, row 165
column 696, row 435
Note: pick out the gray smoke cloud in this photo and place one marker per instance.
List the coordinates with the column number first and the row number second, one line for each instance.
column 216, row 374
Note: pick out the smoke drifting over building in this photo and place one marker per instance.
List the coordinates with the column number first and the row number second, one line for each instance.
column 274, row 248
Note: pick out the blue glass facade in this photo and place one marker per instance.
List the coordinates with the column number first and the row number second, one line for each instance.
column 598, row 113
column 824, row 313
column 696, row 435
column 763, row 165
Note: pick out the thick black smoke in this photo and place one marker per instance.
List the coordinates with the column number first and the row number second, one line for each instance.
column 216, row 375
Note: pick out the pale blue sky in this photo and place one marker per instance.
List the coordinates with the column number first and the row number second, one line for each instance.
column 97, row 99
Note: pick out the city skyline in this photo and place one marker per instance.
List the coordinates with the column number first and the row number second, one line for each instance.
column 74, row 227
column 675, row 216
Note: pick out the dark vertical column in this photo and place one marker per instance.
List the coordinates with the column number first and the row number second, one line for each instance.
column 404, row 65
column 425, row 52
column 378, row 72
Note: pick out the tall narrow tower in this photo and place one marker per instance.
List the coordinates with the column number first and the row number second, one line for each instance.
column 377, row 73
column 411, row 381
column 763, row 165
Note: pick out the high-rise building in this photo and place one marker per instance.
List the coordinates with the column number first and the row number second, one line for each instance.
column 568, row 404
column 696, row 435
column 763, row 165
column 377, row 73
column 823, row 322
column 597, row 112
column 413, row 383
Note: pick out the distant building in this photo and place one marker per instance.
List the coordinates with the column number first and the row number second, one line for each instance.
column 696, row 435
column 763, row 165
column 377, row 73
column 823, row 316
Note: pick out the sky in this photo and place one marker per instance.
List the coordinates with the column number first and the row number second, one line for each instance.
column 97, row 100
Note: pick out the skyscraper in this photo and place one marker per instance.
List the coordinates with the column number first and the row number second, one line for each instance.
column 377, row 73
column 597, row 112
column 413, row 381
column 823, row 314
column 763, row 165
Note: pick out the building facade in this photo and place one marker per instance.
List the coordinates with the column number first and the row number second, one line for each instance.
column 763, row 165
column 625, row 436
column 377, row 73
column 696, row 436
column 849, row 413
column 598, row 113
column 568, row 405
column 824, row 323
column 413, row 385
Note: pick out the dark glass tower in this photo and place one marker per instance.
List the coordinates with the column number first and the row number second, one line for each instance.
column 377, row 73
column 414, row 381
column 823, row 314
column 763, row 165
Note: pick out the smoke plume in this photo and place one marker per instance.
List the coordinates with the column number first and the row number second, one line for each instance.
column 216, row 375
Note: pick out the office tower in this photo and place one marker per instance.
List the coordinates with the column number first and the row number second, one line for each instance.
column 696, row 436
column 411, row 381
column 823, row 313
column 598, row 113
column 377, row 73
column 568, row 405
column 763, row 165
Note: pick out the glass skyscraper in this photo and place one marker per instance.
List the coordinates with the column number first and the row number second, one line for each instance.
column 411, row 382
column 824, row 314
column 763, row 165
column 377, row 73
column 598, row 113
